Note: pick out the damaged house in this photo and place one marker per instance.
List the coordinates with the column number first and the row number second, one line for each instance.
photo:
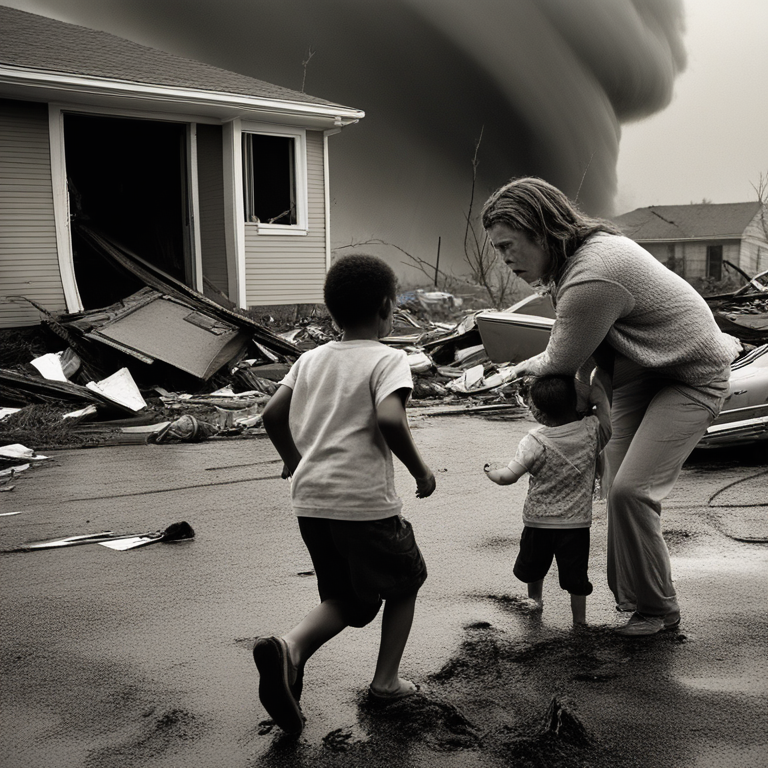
column 216, row 179
column 697, row 240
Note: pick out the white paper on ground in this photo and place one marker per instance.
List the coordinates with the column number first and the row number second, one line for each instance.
column 120, row 388
column 470, row 379
column 128, row 543
column 50, row 367
column 19, row 451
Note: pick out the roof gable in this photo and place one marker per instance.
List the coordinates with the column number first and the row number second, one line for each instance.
column 680, row 222
column 35, row 42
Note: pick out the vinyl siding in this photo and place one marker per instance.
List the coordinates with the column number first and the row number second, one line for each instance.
column 210, row 180
column 290, row 269
column 754, row 245
column 29, row 264
column 690, row 257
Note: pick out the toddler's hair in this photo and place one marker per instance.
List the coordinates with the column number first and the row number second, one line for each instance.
column 554, row 396
column 356, row 286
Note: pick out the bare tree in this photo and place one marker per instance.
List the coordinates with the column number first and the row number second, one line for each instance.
column 761, row 190
column 495, row 279
column 426, row 268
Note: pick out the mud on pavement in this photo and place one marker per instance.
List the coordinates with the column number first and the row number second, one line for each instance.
column 142, row 658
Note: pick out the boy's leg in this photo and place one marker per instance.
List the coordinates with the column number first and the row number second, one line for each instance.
column 395, row 628
column 321, row 624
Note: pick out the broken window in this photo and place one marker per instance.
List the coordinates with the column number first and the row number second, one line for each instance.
column 715, row 262
column 269, row 178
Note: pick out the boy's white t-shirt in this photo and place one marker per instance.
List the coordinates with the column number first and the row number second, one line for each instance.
column 346, row 470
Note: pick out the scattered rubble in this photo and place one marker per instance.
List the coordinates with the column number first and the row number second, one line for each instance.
column 167, row 364
column 744, row 313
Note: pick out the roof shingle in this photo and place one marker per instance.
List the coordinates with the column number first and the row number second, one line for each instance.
column 678, row 222
column 41, row 43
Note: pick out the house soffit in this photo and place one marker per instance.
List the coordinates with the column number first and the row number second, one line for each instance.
column 190, row 104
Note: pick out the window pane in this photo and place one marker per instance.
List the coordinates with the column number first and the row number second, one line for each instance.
column 715, row 262
column 270, row 179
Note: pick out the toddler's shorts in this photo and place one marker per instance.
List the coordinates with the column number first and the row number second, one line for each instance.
column 569, row 546
column 362, row 562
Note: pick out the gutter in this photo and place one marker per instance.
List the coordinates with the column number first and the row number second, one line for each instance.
column 15, row 76
column 702, row 238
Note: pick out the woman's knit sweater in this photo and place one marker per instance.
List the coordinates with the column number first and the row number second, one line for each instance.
column 615, row 290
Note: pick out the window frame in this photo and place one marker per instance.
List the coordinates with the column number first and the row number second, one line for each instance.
column 299, row 136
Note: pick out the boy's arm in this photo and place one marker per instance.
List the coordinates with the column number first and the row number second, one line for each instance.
column 275, row 420
column 393, row 424
column 600, row 399
column 507, row 475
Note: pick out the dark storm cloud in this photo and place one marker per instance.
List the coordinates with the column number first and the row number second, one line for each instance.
column 548, row 81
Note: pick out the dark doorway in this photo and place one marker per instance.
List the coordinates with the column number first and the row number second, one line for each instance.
column 127, row 180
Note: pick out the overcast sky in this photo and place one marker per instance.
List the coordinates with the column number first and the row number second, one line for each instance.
column 712, row 140
column 554, row 85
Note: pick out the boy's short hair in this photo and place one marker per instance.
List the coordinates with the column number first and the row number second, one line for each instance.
column 554, row 396
column 356, row 286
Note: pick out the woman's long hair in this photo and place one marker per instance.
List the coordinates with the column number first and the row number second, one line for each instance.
column 547, row 216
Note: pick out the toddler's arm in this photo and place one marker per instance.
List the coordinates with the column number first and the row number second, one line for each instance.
column 275, row 420
column 393, row 423
column 507, row 475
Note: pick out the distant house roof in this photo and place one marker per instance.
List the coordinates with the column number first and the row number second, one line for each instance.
column 30, row 41
column 681, row 222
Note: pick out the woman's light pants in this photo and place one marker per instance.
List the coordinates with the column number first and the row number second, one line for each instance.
column 656, row 424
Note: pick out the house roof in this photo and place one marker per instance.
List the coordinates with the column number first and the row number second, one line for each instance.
column 32, row 42
column 683, row 222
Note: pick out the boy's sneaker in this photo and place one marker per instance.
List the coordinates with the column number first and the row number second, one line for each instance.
column 640, row 625
column 278, row 679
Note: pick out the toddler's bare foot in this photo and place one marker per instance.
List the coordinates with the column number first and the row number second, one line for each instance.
column 580, row 625
column 400, row 690
column 532, row 605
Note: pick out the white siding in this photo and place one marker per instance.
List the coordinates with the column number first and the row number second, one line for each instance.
column 29, row 264
column 290, row 269
column 210, row 181
column 754, row 245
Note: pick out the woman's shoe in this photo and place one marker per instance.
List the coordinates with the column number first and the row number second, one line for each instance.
column 640, row 625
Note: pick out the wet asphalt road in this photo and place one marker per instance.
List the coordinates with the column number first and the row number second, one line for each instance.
column 142, row 658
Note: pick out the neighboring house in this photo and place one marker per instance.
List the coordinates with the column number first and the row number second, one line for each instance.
column 694, row 240
column 219, row 179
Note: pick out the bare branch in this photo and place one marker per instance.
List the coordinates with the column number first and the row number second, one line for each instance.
column 583, row 176
column 310, row 54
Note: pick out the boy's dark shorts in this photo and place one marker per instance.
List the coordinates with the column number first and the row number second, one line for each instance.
column 569, row 546
column 363, row 562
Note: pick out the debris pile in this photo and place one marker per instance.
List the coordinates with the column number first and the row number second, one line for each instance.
column 744, row 313
column 167, row 364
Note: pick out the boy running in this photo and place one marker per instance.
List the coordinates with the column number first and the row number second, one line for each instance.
column 336, row 420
